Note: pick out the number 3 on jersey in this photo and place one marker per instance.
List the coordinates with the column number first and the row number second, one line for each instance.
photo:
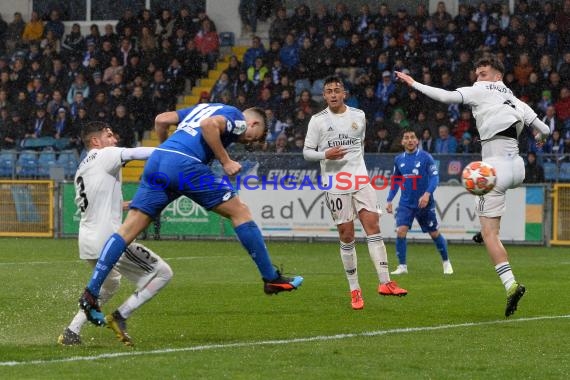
column 81, row 191
column 195, row 116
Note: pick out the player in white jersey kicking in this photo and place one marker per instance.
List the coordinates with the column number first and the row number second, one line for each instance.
column 100, row 200
column 335, row 137
column 500, row 118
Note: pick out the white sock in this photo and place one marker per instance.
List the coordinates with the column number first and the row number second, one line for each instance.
column 379, row 257
column 77, row 322
column 505, row 274
column 138, row 298
column 350, row 262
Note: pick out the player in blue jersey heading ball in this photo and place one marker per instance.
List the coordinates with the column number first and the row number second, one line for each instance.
column 178, row 167
column 416, row 199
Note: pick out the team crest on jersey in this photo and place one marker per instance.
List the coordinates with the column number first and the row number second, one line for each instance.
column 354, row 125
column 240, row 127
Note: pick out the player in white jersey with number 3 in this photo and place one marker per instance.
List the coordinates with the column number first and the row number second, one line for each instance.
column 335, row 137
column 500, row 118
column 100, row 200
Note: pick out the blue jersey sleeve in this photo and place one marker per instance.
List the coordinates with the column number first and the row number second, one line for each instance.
column 395, row 172
column 433, row 174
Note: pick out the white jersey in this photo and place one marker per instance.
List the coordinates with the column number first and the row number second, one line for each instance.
column 327, row 130
column 99, row 197
column 495, row 108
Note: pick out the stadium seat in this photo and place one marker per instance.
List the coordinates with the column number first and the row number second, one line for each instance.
column 38, row 143
column 27, row 164
column 564, row 173
column 68, row 161
column 227, row 39
column 317, row 88
column 7, row 163
column 550, row 171
column 46, row 160
column 302, row 84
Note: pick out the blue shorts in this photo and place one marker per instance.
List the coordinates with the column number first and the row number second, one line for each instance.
column 426, row 217
column 168, row 175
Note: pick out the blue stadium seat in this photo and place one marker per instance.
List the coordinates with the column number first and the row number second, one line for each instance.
column 302, row 84
column 564, row 173
column 227, row 39
column 550, row 171
column 27, row 164
column 317, row 88
column 68, row 161
column 46, row 160
column 7, row 163
column 40, row 142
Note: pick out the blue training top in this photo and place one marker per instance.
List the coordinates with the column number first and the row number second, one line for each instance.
column 420, row 164
column 188, row 137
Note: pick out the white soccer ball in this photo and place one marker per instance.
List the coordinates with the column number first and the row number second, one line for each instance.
column 479, row 177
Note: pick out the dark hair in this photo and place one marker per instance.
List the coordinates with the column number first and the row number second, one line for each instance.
column 408, row 130
column 492, row 61
column 91, row 128
column 333, row 79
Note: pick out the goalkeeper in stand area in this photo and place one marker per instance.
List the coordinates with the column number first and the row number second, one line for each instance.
column 500, row 117
column 416, row 199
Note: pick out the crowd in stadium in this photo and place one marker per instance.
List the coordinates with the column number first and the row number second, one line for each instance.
column 51, row 82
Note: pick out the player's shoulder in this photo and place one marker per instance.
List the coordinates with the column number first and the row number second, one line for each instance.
column 356, row 111
column 322, row 114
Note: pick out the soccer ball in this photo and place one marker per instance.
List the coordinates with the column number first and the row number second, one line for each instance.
column 479, row 177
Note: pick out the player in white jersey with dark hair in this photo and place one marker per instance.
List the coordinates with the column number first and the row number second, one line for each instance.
column 335, row 137
column 100, row 200
column 500, row 117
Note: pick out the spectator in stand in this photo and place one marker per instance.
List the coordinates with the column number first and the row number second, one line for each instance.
column 328, row 57
column 233, row 69
column 385, row 88
column 161, row 93
column 175, row 76
column 554, row 145
column 222, row 84
column 300, row 20
column 523, row 68
column 464, row 124
column 94, row 35
column 281, row 144
column 165, row 25
column 533, row 171
column 306, row 103
column 441, row 17
column 14, row 33
column 123, row 127
column 128, row 20
column 562, row 20
column 289, row 54
column 146, row 19
column 57, row 101
column 431, row 38
column 110, row 35
column 257, row 72
column 427, row 142
column 64, row 128
column 248, row 13
column 55, row 25
column 467, row 145
column 208, row 43
column 79, row 85
column 562, row 106
column 551, row 119
column 14, row 130
column 256, row 50
column 34, row 30
column 445, row 143
column 40, row 126
column 137, row 106
column 191, row 62
column 114, row 68
column 244, row 87
column 383, row 142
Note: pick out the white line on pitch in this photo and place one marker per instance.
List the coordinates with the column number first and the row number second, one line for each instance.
column 318, row 338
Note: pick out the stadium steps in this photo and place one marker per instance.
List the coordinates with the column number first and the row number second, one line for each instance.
column 132, row 172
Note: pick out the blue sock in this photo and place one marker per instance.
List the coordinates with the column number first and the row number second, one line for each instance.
column 112, row 251
column 441, row 245
column 401, row 250
column 250, row 237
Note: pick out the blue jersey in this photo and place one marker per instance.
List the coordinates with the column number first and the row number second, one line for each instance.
column 188, row 137
column 421, row 165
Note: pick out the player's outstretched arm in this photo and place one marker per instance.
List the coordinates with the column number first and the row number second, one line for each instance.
column 444, row 96
column 140, row 153
column 162, row 123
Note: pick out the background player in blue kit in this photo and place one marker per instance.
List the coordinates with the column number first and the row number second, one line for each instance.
column 416, row 199
column 179, row 166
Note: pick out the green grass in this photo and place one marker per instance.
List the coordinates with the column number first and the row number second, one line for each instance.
column 212, row 320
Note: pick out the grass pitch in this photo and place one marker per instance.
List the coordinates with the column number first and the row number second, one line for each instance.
column 213, row 320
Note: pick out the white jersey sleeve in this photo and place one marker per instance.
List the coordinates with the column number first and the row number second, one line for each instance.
column 99, row 198
column 327, row 130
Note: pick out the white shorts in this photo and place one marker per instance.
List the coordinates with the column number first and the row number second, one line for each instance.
column 345, row 207
column 138, row 264
column 510, row 174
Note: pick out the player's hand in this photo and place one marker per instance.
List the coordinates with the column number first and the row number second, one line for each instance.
column 405, row 78
column 336, row 153
column 231, row 167
column 389, row 208
column 424, row 199
column 540, row 139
